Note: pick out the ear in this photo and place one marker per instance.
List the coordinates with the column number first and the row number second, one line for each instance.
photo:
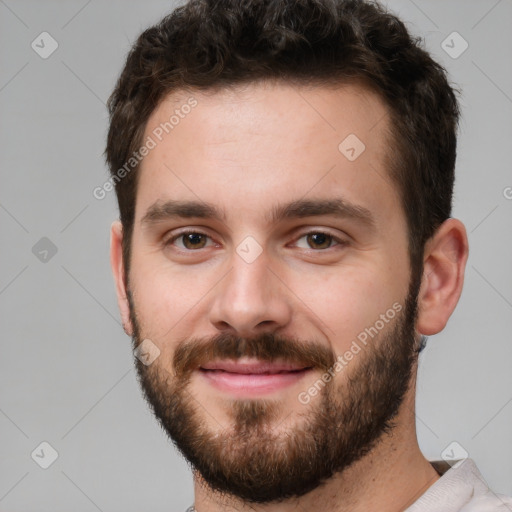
column 117, row 264
column 444, row 263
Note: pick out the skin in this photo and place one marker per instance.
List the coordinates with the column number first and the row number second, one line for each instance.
column 247, row 150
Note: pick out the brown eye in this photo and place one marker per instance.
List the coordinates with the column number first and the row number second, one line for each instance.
column 319, row 240
column 189, row 240
column 194, row 240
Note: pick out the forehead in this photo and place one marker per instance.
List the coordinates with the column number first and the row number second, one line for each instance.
column 263, row 144
column 269, row 107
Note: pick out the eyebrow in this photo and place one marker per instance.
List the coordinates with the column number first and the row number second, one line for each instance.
column 336, row 207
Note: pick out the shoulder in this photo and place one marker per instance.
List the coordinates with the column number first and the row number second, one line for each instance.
column 461, row 488
column 489, row 502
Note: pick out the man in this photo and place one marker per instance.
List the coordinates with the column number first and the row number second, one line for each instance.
column 284, row 172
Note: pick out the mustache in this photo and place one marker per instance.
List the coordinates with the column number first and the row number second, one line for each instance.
column 192, row 353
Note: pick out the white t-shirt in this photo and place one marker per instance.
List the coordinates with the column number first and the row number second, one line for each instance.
column 461, row 488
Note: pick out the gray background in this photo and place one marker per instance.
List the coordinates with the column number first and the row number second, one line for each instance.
column 66, row 373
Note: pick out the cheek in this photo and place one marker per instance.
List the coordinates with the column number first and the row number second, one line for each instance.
column 347, row 301
column 165, row 297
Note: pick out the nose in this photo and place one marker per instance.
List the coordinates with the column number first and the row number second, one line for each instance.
column 250, row 299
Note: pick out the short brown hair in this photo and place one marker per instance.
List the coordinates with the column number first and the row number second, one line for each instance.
column 212, row 44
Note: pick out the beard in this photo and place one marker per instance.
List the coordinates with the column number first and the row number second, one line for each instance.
column 253, row 461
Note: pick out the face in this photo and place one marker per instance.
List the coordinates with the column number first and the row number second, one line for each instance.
column 270, row 275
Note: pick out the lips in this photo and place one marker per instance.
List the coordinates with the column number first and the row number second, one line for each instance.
column 253, row 367
column 252, row 378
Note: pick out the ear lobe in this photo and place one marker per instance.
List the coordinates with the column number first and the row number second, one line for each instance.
column 117, row 265
column 444, row 260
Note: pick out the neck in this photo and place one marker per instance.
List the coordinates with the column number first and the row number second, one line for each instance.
column 392, row 476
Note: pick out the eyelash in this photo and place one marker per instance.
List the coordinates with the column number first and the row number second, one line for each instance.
column 339, row 242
